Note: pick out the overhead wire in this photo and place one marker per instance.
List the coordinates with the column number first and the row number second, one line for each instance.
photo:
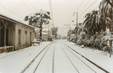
column 83, row 3
column 89, row 8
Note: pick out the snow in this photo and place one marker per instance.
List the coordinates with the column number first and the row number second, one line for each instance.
column 14, row 62
column 65, row 60
column 99, row 57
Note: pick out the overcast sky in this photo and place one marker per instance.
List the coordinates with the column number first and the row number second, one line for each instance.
column 63, row 10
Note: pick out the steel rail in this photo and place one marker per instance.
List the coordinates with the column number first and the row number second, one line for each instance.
column 40, row 60
column 89, row 60
column 82, row 61
column 30, row 63
column 71, row 61
column 53, row 61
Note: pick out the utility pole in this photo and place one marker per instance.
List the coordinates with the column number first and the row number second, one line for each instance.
column 52, row 17
column 77, row 18
column 41, row 23
column 51, row 11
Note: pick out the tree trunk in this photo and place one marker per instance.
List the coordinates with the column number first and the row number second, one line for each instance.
column 41, row 31
column 56, row 36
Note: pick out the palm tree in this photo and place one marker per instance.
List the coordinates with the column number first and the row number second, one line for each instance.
column 106, row 14
column 91, row 23
column 110, row 2
column 38, row 19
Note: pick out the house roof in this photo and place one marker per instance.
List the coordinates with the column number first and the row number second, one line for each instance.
column 14, row 21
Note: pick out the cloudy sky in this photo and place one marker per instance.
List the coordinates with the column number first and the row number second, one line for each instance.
column 64, row 11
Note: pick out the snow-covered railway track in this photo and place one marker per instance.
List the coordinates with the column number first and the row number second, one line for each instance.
column 75, row 67
column 81, row 61
column 33, row 60
column 34, row 71
column 74, row 52
column 53, row 61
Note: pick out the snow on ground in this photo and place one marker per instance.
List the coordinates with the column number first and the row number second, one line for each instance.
column 14, row 62
column 99, row 57
column 61, row 63
column 65, row 61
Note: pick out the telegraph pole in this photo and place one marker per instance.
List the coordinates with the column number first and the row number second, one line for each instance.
column 51, row 11
column 77, row 18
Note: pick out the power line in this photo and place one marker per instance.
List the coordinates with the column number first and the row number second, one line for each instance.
column 90, row 6
column 83, row 3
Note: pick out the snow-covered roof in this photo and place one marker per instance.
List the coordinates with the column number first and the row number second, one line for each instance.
column 14, row 20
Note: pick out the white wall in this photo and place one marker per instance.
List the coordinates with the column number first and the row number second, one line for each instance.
column 25, row 39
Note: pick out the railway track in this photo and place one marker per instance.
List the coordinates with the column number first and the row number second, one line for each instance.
column 67, row 52
column 74, row 52
column 53, row 61
column 81, row 60
column 75, row 67
column 34, row 71
column 33, row 60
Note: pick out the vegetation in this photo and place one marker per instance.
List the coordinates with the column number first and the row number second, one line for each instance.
column 38, row 19
column 92, row 24
column 92, row 31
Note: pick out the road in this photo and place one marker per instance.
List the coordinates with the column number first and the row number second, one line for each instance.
column 57, row 57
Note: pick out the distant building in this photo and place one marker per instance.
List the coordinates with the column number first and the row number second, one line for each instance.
column 14, row 33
